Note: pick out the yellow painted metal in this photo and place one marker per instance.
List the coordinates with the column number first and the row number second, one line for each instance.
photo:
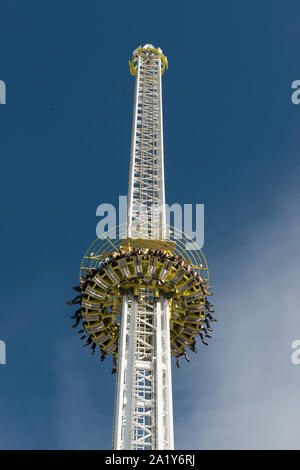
column 110, row 307
column 141, row 50
column 102, row 247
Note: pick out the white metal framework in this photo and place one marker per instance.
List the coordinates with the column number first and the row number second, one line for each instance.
column 143, row 416
column 146, row 191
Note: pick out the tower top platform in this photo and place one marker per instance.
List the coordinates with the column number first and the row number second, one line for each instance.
column 147, row 52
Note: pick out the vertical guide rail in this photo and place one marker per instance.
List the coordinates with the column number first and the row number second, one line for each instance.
column 131, row 183
column 159, row 371
column 162, row 211
column 119, row 418
column 167, row 378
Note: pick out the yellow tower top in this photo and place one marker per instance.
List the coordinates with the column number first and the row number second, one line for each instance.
column 147, row 49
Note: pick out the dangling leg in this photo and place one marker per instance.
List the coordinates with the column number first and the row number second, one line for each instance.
column 76, row 323
column 211, row 317
column 76, row 300
column 202, row 339
column 208, row 324
column 186, row 356
column 102, row 357
column 205, row 332
column 75, row 316
column 89, row 341
column 93, row 348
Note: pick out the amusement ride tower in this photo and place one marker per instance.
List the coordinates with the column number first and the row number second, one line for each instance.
column 143, row 296
column 143, row 410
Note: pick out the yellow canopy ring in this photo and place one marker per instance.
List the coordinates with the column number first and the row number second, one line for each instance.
column 140, row 51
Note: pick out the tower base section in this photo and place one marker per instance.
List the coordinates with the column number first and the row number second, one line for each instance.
column 143, row 416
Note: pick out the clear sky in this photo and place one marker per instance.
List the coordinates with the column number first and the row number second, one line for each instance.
column 232, row 140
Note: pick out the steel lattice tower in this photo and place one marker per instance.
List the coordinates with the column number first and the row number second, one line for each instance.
column 143, row 409
column 144, row 295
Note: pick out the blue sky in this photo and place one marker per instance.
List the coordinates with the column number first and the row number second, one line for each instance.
column 231, row 142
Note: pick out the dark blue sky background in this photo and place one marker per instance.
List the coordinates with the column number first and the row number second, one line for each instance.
column 231, row 142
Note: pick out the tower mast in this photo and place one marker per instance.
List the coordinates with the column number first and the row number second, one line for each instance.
column 143, row 415
column 149, row 297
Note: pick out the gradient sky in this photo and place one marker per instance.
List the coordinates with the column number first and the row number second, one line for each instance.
column 232, row 140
